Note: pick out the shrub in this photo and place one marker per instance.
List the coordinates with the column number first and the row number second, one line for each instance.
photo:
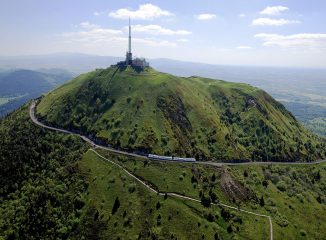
column 303, row 232
column 270, row 202
column 225, row 214
column 132, row 187
column 300, row 197
column 205, row 201
column 209, row 216
column 275, row 179
column 265, row 183
column 281, row 186
column 254, row 174
column 281, row 220
column 165, row 196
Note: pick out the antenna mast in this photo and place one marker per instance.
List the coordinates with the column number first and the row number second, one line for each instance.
column 129, row 36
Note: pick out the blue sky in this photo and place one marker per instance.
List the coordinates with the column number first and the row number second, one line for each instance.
column 233, row 32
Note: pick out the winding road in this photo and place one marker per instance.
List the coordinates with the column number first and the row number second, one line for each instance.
column 37, row 122
column 216, row 164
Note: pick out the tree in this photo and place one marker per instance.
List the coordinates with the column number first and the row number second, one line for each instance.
column 261, row 201
column 281, row 186
column 213, row 196
column 265, row 183
column 210, row 217
column 158, row 220
column 116, row 206
column 158, row 205
column 225, row 214
column 193, row 179
column 213, row 177
column 216, row 236
column 205, row 201
column 229, row 229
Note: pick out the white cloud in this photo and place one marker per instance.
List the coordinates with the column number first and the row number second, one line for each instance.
column 205, row 16
column 87, row 25
column 145, row 12
column 96, row 13
column 91, row 35
column 242, row 15
column 316, row 41
column 274, row 10
column 157, row 30
column 273, row 22
column 183, row 40
column 154, row 43
column 244, row 47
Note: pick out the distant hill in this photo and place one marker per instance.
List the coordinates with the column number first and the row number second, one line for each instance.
column 18, row 86
column 160, row 113
column 73, row 62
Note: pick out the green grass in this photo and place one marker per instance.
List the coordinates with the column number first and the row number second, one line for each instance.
column 53, row 187
column 165, row 114
column 297, row 203
column 300, row 213
column 107, row 182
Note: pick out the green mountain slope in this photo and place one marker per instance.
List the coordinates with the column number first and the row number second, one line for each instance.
column 53, row 188
column 164, row 114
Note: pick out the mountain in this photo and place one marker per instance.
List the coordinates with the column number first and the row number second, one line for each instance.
column 19, row 86
column 300, row 90
column 155, row 112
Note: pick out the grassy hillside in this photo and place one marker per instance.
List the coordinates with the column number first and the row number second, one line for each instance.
column 52, row 188
column 164, row 114
column 294, row 196
column 144, row 215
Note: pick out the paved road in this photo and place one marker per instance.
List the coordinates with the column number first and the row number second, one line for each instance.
column 216, row 164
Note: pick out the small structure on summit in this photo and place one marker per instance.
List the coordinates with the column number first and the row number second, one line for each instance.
column 137, row 62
